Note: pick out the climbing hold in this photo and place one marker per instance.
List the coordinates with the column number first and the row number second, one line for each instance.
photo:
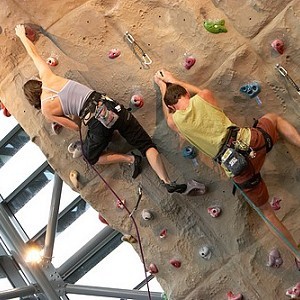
column 214, row 211
column 294, row 291
column 102, row 219
column 231, row 296
column 114, row 53
column 164, row 296
column 129, row 238
column 121, row 203
column 194, row 186
column 189, row 152
column 56, row 128
column 176, row 263
column 189, row 61
column 252, row 90
column 275, row 203
column 52, row 61
column 278, row 46
column 74, row 178
column 205, row 252
column 30, row 33
column 6, row 113
column 136, row 101
column 275, row 260
column 153, row 269
column 75, row 149
column 163, row 233
column 215, row 26
column 147, row 215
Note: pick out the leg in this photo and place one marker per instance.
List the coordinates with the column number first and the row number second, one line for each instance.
column 286, row 129
column 268, row 212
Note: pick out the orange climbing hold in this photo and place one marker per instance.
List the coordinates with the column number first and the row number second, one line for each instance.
column 6, row 113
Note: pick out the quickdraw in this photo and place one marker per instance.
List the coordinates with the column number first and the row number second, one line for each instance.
column 285, row 74
column 138, row 51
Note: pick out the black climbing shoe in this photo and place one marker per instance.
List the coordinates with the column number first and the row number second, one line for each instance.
column 137, row 165
column 173, row 187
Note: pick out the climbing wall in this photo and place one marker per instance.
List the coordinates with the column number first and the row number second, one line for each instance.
column 225, row 46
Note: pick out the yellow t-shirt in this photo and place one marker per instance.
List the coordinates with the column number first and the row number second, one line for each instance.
column 204, row 126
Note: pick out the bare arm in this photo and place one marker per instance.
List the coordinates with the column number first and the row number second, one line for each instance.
column 166, row 77
column 43, row 68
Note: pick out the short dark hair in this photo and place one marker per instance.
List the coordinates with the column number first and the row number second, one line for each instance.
column 173, row 93
column 33, row 90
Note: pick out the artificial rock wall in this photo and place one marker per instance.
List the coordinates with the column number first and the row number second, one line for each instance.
column 80, row 33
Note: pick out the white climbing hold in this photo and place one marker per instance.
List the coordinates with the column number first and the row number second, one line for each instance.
column 205, row 252
column 75, row 149
column 147, row 215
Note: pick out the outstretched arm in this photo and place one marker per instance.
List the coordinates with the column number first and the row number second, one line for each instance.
column 167, row 76
column 43, row 68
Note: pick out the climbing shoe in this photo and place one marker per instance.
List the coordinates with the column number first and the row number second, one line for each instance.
column 173, row 187
column 137, row 165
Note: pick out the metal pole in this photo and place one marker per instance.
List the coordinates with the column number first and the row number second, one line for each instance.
column 110, row 292
column 53, row 217
column 18, row 247
column 18, row 292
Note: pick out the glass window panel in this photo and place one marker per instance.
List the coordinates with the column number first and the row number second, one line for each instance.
column 21, row 166
column 5, row 285
column 76, row 236
column 113, row 272
column 39, row 206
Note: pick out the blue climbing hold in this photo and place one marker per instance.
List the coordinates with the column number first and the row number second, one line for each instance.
column 189, row 152
column 252, row 90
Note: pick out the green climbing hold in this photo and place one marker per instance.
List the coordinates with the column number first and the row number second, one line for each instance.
column 164, row 296
column 215, row 26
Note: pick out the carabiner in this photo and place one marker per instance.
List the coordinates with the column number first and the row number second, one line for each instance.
column 281, row 70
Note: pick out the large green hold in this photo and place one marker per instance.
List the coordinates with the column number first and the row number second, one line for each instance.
column 215, row 26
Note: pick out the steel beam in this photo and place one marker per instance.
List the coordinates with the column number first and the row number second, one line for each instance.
column 18, row 292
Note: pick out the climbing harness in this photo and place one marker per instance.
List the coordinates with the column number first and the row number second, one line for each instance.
column 285, row 74
column 138, row 51
column 102, row 108
column 231, row 157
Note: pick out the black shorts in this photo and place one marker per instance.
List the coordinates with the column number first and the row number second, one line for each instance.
column 98, row 136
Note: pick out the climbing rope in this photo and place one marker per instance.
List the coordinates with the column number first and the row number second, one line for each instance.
column 130, row 214
column 283, row 238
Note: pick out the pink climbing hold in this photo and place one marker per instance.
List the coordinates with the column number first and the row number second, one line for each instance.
column 231, row 296
column 214, row 211
column 176, row 263
column 114, row 53
column 101, row 218
column 137, row 101
column 278, row 46
column 275, row 203
column 120, row 204
column 275, row 260
column 52, row 61
column 163, row 233
column 153, row 269
column 294, row 292
column 189, row 61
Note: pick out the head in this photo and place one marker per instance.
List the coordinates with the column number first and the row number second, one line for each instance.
column 173, row 93
column 33, row 90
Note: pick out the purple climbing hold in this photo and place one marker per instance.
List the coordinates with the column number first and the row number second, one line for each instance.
column 114, row 53
column 275, row 260
column 275, row 203
column 189, row 61
column 214, row 211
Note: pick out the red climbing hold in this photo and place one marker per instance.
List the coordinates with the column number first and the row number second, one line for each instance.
column 120, row 204
column 153, row 269
column 231, row 296
column 176, row 263
column 163, row 233
column 278, row 46
column 52, row 61
column 30, row 33
column 101, row 218
column 114, row 53
column 6, row 113
column 137, row 101
column 214, row 211
column 294, row 292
